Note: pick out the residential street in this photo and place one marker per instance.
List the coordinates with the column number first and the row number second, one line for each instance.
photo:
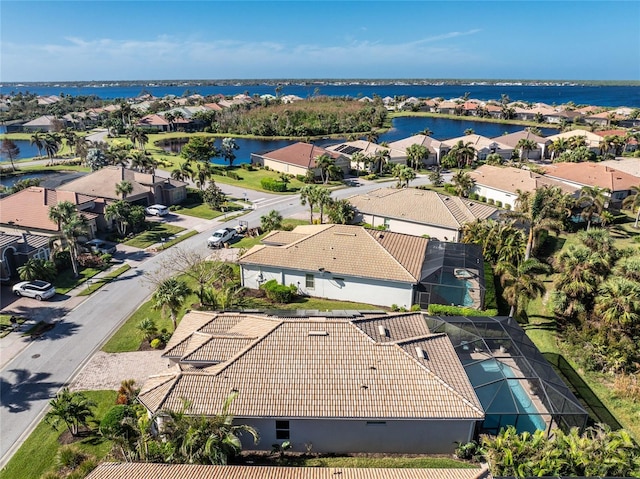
column 34, row 375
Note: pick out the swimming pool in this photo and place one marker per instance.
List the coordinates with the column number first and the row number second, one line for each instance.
column 503, row 397
column 454, row 290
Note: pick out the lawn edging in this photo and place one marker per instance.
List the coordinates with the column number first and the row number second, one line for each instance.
column 100, row 282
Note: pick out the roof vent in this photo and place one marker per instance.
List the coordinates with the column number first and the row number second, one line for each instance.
column 383, row 331
column 318, row 333
column 421, row 353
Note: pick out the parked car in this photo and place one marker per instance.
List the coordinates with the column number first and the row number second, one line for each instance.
column 157, row 210
column 100, row 247
column 220, row 237
column 34, row 289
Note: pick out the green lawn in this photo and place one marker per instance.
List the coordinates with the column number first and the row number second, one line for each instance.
column 99, row 283
column 177, row 239
column 251, row 180
column 204, row 211
column 66, row 280
column 155, row 233
column 38, row 453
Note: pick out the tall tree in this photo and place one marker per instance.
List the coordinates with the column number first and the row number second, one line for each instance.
column 525, row 146
column 71, row 225
column 521, row 283
column 170, row 296
column 199, row 148
column 323, row 162
column 464, row 153
column 314, row 195
column 119, row 212
column 463, row 183
column 404, row 174
column 271, row 221
column 593, row 200
column 10, row 150
column 341, row 212
column 416, row 155
column 381, row 158
column 72, row 409
column 227, row 150
column 37, row 140
column 182, row 172
column 633, row 203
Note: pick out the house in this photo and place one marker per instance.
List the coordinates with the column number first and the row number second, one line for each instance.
column 512, row 140
column 337, row 382
column 28, row 210
column 592, row 141
column 147, row 188
column 502, row 184
column 629, row 143
column 298, row 159
column 419, row 212
column 115, row 470
column 43, row 123
column 431, row 144
column 352, row 263
column 578, row 175
column 630, row 166
column 16, row 250
column 369, row 149
column 481, row 144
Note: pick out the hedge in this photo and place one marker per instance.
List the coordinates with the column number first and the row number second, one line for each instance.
column 271, row 184
column 279, row 292
column 444, row 310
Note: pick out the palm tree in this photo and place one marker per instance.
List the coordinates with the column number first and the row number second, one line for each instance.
column 618, row 303
column 593, row 200
column 463, row 183
column 148, row 329
column 183, row 171
column 51, row 144
column 38, row 140
column 170, row 295
column 404, row 174
column 120, row 213
column 628, row 268
column 416, row 155
column 382, row 157
column 372, row 136
column 142, row 162
column 521, row 282
column 463, row 153
column 36, row 268
column 202, row 174
column 558, row 146
column 138, row 137
column 358, row 158
column 525, row 146
column 71, row 224
column 309, row 196
column 633, row 202
column 72, row 409
column 323, row 162
column 124, row 188
column 271, row 221
column 341, row 212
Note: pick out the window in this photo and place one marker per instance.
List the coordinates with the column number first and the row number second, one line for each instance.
column 309, row 281
column 282, row 429
column 387, row 223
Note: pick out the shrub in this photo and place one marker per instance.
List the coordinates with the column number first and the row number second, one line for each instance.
column 491, row 201
column 499, row 204
column 156, row 343
column 470, row 451
column 62, row 260
column 372, row 176
column 416, row 307
column 266, row 168
column 106, row 258
column 89, row 260
column 483, row 199
column 270, row 184
column 301, row 178
column 233, row 175
column 474, row 196
column 444, row 310
column 507, row 207
column 449, row 188
column 70, row 457
column 279, row 293
column 114, row 422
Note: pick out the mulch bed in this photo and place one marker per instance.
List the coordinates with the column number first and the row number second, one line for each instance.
column 67, row 438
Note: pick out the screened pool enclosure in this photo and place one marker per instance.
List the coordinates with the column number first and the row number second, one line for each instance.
column 513, row 381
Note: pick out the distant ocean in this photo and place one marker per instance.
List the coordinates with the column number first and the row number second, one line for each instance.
column 609, row 96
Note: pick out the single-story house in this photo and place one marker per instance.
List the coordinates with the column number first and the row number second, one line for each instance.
column 16, row 250
column 578, row 175
column 502, row 184
column 28, row 210
column 592, row 140
column 157, row 122
column 338, row 382
column 298, row 159
column 431, row 144
column 369, row 149
column 512, row 140
column 43, row 123
column 630, row 142
column 419, row 212
column 352, row 263
column 147, row 188
column 630, row 166
column 481, row 144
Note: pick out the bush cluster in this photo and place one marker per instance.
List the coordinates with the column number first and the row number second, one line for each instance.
column 273, row 185
column 233, row 175
column 279, row 292
column 444, row 310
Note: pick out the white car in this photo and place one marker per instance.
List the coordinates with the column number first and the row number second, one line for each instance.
column 100, row 247
column 220, row 237
column 157, row 210
column 34, row 289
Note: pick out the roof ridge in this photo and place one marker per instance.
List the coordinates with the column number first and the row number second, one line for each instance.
column 369, row 230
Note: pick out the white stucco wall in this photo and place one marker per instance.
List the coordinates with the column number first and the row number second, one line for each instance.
column 414, row 229
column 433, row 436
column 327, row 285
column 496, row 195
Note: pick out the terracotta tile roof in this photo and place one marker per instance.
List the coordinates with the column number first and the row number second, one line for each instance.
column 7, row 239
column 29, row 208
column 331, row 247
column 512, row 179
column 421, row 206
column 129, row 470
column 604, row 133
column 299, row 154
column 326, row 368
column 153, row 120
column 592, row 174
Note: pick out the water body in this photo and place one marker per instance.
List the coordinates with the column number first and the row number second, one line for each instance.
column 552, row 94
column 49, row 179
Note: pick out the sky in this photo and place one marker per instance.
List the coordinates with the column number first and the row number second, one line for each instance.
column 98, row 40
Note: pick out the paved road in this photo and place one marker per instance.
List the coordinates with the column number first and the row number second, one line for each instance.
column 29, row 380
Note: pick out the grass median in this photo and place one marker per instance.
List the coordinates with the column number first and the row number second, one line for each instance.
column 100, row 282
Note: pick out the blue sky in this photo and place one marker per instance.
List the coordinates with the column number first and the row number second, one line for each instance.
column 171, row 39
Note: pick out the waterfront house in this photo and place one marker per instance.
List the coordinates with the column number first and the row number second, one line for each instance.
column 419, row 212
column 512, row 140
column 369, row 149
column 591, row 140
column 431, row 144
column 333, row 382
column 482, row 145
column 298, row 159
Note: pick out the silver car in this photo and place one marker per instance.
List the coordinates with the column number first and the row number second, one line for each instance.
column 34, row 289
column 157, row 210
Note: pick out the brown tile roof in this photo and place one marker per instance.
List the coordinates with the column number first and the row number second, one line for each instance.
column 421, row 206
column 511, row 179
column 153, row 120
column 282, row 237
column 592, row 174
column 326, row 368
column 512, row 139
column 102, row 183
column 478, row 142
column 592, row 140
column 29, row 208
column 299, row 154
column 129, row 470
column 430, row 143
column 331, row 247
